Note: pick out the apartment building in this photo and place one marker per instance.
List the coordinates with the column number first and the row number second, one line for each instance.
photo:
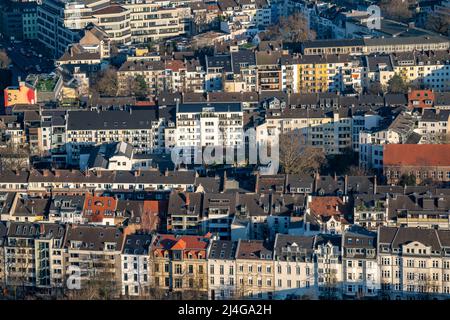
column 136, row 266
column 321, row 73
column 359, row 263
column 426, row 69
column 116, row 22
column 152, row 71
column 269, row 76
column 140, row 128
column 185, row 213
column 59, row 22
column 222, row 269
column 414, row 262
column 75, row 181
column 67, row 209
column 151, row 21
column 293, row 266
column 179, row 264
column 434, row 125
column 254, row 270
column 49, row 256
column 243, row 65
column 94, row 253
column 418, row 211
column 371, row 142
column 370, row 211
column 375, row 45
column 209, row 124
column 3, row 234
column 328, row 266
column 33, row 255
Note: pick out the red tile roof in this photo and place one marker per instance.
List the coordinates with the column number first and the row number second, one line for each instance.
column 327, row 206
column 416, row 155
column 96, row 208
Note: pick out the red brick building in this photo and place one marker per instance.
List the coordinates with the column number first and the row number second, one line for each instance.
column 423, row 161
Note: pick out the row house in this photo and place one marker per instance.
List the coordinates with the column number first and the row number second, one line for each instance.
column 359, row 263
column 418, row 211
column 414, row 262
column 94, row 254
column 135, row 265
column 179, row 264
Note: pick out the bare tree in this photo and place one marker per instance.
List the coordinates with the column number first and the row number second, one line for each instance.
column 5, row 61
column 297, row 157
column 293, row 28
column 14, row 157
column 106, row 82
column 396, row 9
column 357, row 171
column 438, row 23
column 330, row 289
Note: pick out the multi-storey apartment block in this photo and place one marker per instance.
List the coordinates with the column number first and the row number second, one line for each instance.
column 222, row 269
column 254, row 270
column 209, row 124
column 179, row 264
column 359, row 263
column 139, row 128
column 414, row 262
column 136, row 266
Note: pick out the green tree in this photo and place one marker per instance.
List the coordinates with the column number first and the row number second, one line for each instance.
column 140, row 86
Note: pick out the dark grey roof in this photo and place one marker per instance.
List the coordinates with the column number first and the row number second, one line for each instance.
column 254, row 250
column 333, row 43
column 137, row 244
column 6, row 201
column 110, row 120
column 240, row 58
column 433, row 115
column 222, row 61
column 222, row 249
column 396, row 237
column 93, row 238
column 213, row 107
column 185, row 203
column 293, row 248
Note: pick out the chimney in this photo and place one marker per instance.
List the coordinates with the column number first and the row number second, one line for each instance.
column 188, row 200
column 45, row 173
column 57, row 173
column 137, row 173
column 167, row 172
